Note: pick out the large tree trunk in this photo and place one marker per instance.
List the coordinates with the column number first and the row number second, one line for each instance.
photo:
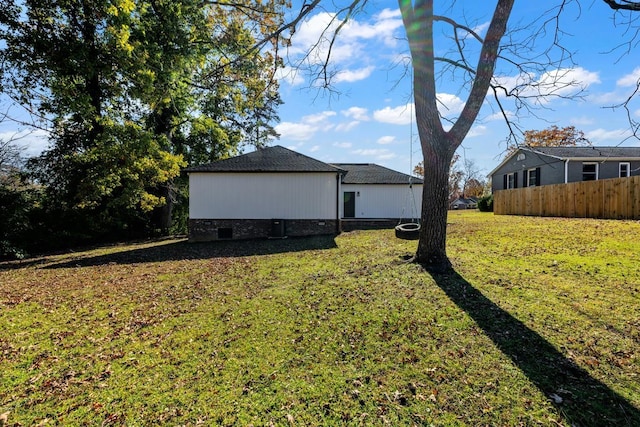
column 162, row 125
column 438, row 146
column 432, row 244
column 164, row 219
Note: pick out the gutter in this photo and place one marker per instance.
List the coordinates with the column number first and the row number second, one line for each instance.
column 566, row 171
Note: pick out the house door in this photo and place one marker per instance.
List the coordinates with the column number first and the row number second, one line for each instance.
column 349, row 204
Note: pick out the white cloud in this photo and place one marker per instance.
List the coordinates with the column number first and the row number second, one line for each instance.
column 480, row 29
column 449, row 104
column 314, row 148
column 400, row 115
column 342, row 144
column 499, row 116
column 311, row 31
column 384, row 140
column 383, row 28
column 378, row 154
column 478, row 130
column 608, row 98
column 31, row 143
column 637, row 113
column 581, row 121
column 290, row 75
column 356, row 113
column 319, row 117
column 296, row 131
column 562, row 82
column 353, row 75
column 389, row 14
column 631, row 79
column 603, row 135
column 346, row 127
column 313, row 39
column 307, row 127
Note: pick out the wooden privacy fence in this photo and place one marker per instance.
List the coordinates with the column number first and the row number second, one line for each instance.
column 617, row 198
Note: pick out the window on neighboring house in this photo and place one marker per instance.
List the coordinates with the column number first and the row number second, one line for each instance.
column 531, row 178
column 589, row 171
column 624, row 170
column 511, row 180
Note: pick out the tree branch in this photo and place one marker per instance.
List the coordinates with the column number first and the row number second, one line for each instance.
column 485, row 70
column 623, row 5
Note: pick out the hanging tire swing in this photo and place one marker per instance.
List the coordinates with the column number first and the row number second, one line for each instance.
column 408, row 231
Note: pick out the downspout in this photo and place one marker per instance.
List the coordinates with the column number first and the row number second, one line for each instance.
column 338, row 224
column 566, row 171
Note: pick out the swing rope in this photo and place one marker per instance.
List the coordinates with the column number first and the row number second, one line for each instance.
column 409, row 230
column 410, row 199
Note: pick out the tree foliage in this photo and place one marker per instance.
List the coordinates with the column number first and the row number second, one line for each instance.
column 131, row 91
column 553, row 136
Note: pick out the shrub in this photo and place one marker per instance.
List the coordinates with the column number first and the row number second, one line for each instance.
column 485, row 204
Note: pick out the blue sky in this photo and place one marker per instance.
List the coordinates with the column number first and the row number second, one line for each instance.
column 366, row 117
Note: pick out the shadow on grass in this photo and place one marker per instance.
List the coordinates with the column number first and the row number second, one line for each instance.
column 183, row 250
column 585, row 400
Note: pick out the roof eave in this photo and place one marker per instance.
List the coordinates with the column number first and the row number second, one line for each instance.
column 603, row 159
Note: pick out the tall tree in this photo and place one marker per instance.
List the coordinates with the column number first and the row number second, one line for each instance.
column 130, row 88
column 439, row 145
column 553, row 136
column 527, row 57
column 473, row 184
column 66, row 61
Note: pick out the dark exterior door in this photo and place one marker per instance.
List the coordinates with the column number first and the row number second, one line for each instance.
column 349, row 204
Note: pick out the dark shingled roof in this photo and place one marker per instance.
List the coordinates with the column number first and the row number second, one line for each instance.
column 589, row 152
column 269, row 159
column 369, row 173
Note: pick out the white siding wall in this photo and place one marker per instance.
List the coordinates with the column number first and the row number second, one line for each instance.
column 385, row 201
column 262, row 195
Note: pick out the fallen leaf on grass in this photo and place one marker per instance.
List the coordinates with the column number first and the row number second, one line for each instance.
column 555, row 398
column 4, row 419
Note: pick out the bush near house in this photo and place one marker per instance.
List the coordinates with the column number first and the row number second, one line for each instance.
column 485, row 204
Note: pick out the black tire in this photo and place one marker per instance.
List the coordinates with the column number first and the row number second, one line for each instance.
column 408, row 231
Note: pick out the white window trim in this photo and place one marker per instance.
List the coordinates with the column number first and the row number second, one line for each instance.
column 597, row 169
column 628, row 165
column 511, row 183
column 529, row 177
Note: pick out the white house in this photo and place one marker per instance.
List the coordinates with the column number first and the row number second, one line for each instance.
column 375, row 195
column 276, row 192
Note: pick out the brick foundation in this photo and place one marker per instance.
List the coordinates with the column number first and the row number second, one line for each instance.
column 202, row 230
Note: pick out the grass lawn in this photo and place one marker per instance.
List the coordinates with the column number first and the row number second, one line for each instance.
column 538, row 325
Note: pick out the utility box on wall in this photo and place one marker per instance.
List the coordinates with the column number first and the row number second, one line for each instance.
column 277, row 228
